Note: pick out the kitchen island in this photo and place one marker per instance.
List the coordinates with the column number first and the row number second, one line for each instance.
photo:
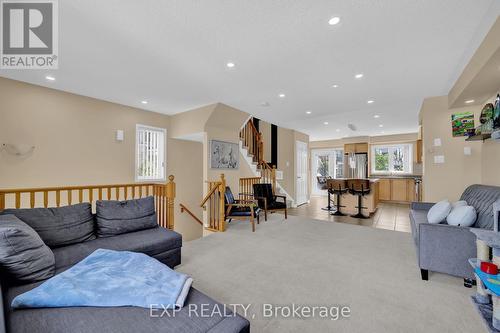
column 350, row 201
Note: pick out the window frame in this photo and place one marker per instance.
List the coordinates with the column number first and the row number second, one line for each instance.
column 390, row 148
column 163, row 152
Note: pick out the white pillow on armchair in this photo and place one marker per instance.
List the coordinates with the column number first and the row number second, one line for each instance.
column 439, row 212
column 464, row 216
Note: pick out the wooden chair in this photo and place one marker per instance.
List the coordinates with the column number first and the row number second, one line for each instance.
column 241, row 209
column 266, row 199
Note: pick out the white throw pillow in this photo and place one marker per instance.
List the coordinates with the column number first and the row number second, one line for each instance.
column 457, row 204
column 439, row 212
column 464, row 216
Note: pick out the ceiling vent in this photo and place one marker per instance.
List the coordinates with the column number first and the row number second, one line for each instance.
column 352, row 127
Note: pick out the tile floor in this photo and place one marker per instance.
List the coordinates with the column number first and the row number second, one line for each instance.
column 390, row 216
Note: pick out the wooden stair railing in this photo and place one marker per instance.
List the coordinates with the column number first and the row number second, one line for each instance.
column 185, row 209
column 164, row 195
column 213, row 203
column 253, row 142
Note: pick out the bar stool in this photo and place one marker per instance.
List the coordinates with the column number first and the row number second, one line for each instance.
column 337, row 187
column 359, row 187
column 323, row 181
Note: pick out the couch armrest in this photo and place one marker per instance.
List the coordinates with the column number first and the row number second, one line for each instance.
column 421, row 205
column 3, row 327
column 445, row 248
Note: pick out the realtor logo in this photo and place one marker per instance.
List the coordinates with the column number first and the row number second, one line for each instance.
column 29, row 33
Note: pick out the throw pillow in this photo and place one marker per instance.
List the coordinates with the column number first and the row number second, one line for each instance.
column 439, row 212
column 119, row 217
column 459, row 203
column 464, row 216
column 24, row 257
column 59, row 226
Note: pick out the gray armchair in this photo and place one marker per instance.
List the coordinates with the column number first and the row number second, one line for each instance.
column 444, row 248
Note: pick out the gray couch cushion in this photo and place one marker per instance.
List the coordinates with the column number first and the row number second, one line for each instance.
column 482, row 197
column 119, row 217
column 23, row 255
column 59, row 226
column 122, row 319
column 150, row 241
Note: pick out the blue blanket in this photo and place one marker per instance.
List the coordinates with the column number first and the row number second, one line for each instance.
column 111, row 278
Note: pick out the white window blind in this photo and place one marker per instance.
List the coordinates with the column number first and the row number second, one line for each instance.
column 150, row 153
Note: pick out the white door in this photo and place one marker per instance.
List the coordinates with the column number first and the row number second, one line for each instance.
column 301, row 168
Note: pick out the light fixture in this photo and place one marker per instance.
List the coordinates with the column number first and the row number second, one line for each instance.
column 265, row 104
column 230, row 65
column 50, row 78
column 370, row 101
column 325, row 123
column 335, row 86
column 282, row 95
column 380, row 125
column 308, row 112
column 469, row 101
column 337, row 130
column 334, row 20
column 144, row 102
column 359, row 76
column 376, row 116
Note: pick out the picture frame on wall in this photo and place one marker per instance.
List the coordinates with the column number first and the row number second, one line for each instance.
column 462, row 123
column 224, row 155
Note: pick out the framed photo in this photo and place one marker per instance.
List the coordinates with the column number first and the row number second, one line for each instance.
column 461, row 123
column 224, row 155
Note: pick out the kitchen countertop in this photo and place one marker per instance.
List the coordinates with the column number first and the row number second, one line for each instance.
column 395, row 177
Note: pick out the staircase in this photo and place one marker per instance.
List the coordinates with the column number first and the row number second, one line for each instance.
column 252, row 149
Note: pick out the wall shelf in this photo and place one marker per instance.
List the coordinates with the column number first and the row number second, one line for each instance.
column 479, row 137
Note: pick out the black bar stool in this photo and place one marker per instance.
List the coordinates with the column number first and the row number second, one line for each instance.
column 337, row 187
column 323, row 182
column 359, row 187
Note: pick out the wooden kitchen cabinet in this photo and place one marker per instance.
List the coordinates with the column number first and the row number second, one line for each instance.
column 384, row 189
column 349, row 148
column 356, row 148
column 397, row 189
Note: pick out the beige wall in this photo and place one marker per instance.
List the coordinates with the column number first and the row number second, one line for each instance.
column 75, row 143
column 448, row 180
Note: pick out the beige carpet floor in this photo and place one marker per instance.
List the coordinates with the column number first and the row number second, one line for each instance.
column 312, row 262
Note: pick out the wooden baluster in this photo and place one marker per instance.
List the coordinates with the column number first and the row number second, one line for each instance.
column 58, row 198
column 18, row 200
column 32, row 199
column 147, row 190
column 69, row 195
column 160, row 198
column 100, row 193
column 125, row 192
column 221, row 203
column 108, row 191
column 45, row 199
column 80, row 195
column 140, row 191
column 117, row 193
column 91, row 195
column 133, row 191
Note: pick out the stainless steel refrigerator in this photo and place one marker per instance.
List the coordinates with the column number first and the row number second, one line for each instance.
column 356, row 165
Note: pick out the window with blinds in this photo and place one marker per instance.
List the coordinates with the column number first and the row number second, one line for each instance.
column 150, row 153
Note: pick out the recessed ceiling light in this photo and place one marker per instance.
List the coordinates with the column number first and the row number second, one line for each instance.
column 265, row 104
column 308, row 112
column 230, row 65
column 325, row 123
column 370, row 101
column 144, row 102
column 376, row 116
column 469, row 101
column 334, row 20
column 335, row 86
column 282, row 95
column 337, row 130
column 359, row 76
column 50, row 78
column 380, row 125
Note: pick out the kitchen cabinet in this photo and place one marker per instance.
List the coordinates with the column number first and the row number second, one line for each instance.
column 397, row 189
column 384, row 189
column 356, row 148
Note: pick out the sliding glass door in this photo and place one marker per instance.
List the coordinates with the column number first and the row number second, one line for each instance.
column 326, row 163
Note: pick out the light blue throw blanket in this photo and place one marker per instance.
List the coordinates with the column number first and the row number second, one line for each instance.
column 111, row 278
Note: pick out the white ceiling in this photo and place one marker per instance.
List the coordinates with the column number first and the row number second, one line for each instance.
column 173, row 54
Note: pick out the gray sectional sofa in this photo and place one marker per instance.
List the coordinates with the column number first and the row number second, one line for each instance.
column 157, row 242
column 445, row 248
